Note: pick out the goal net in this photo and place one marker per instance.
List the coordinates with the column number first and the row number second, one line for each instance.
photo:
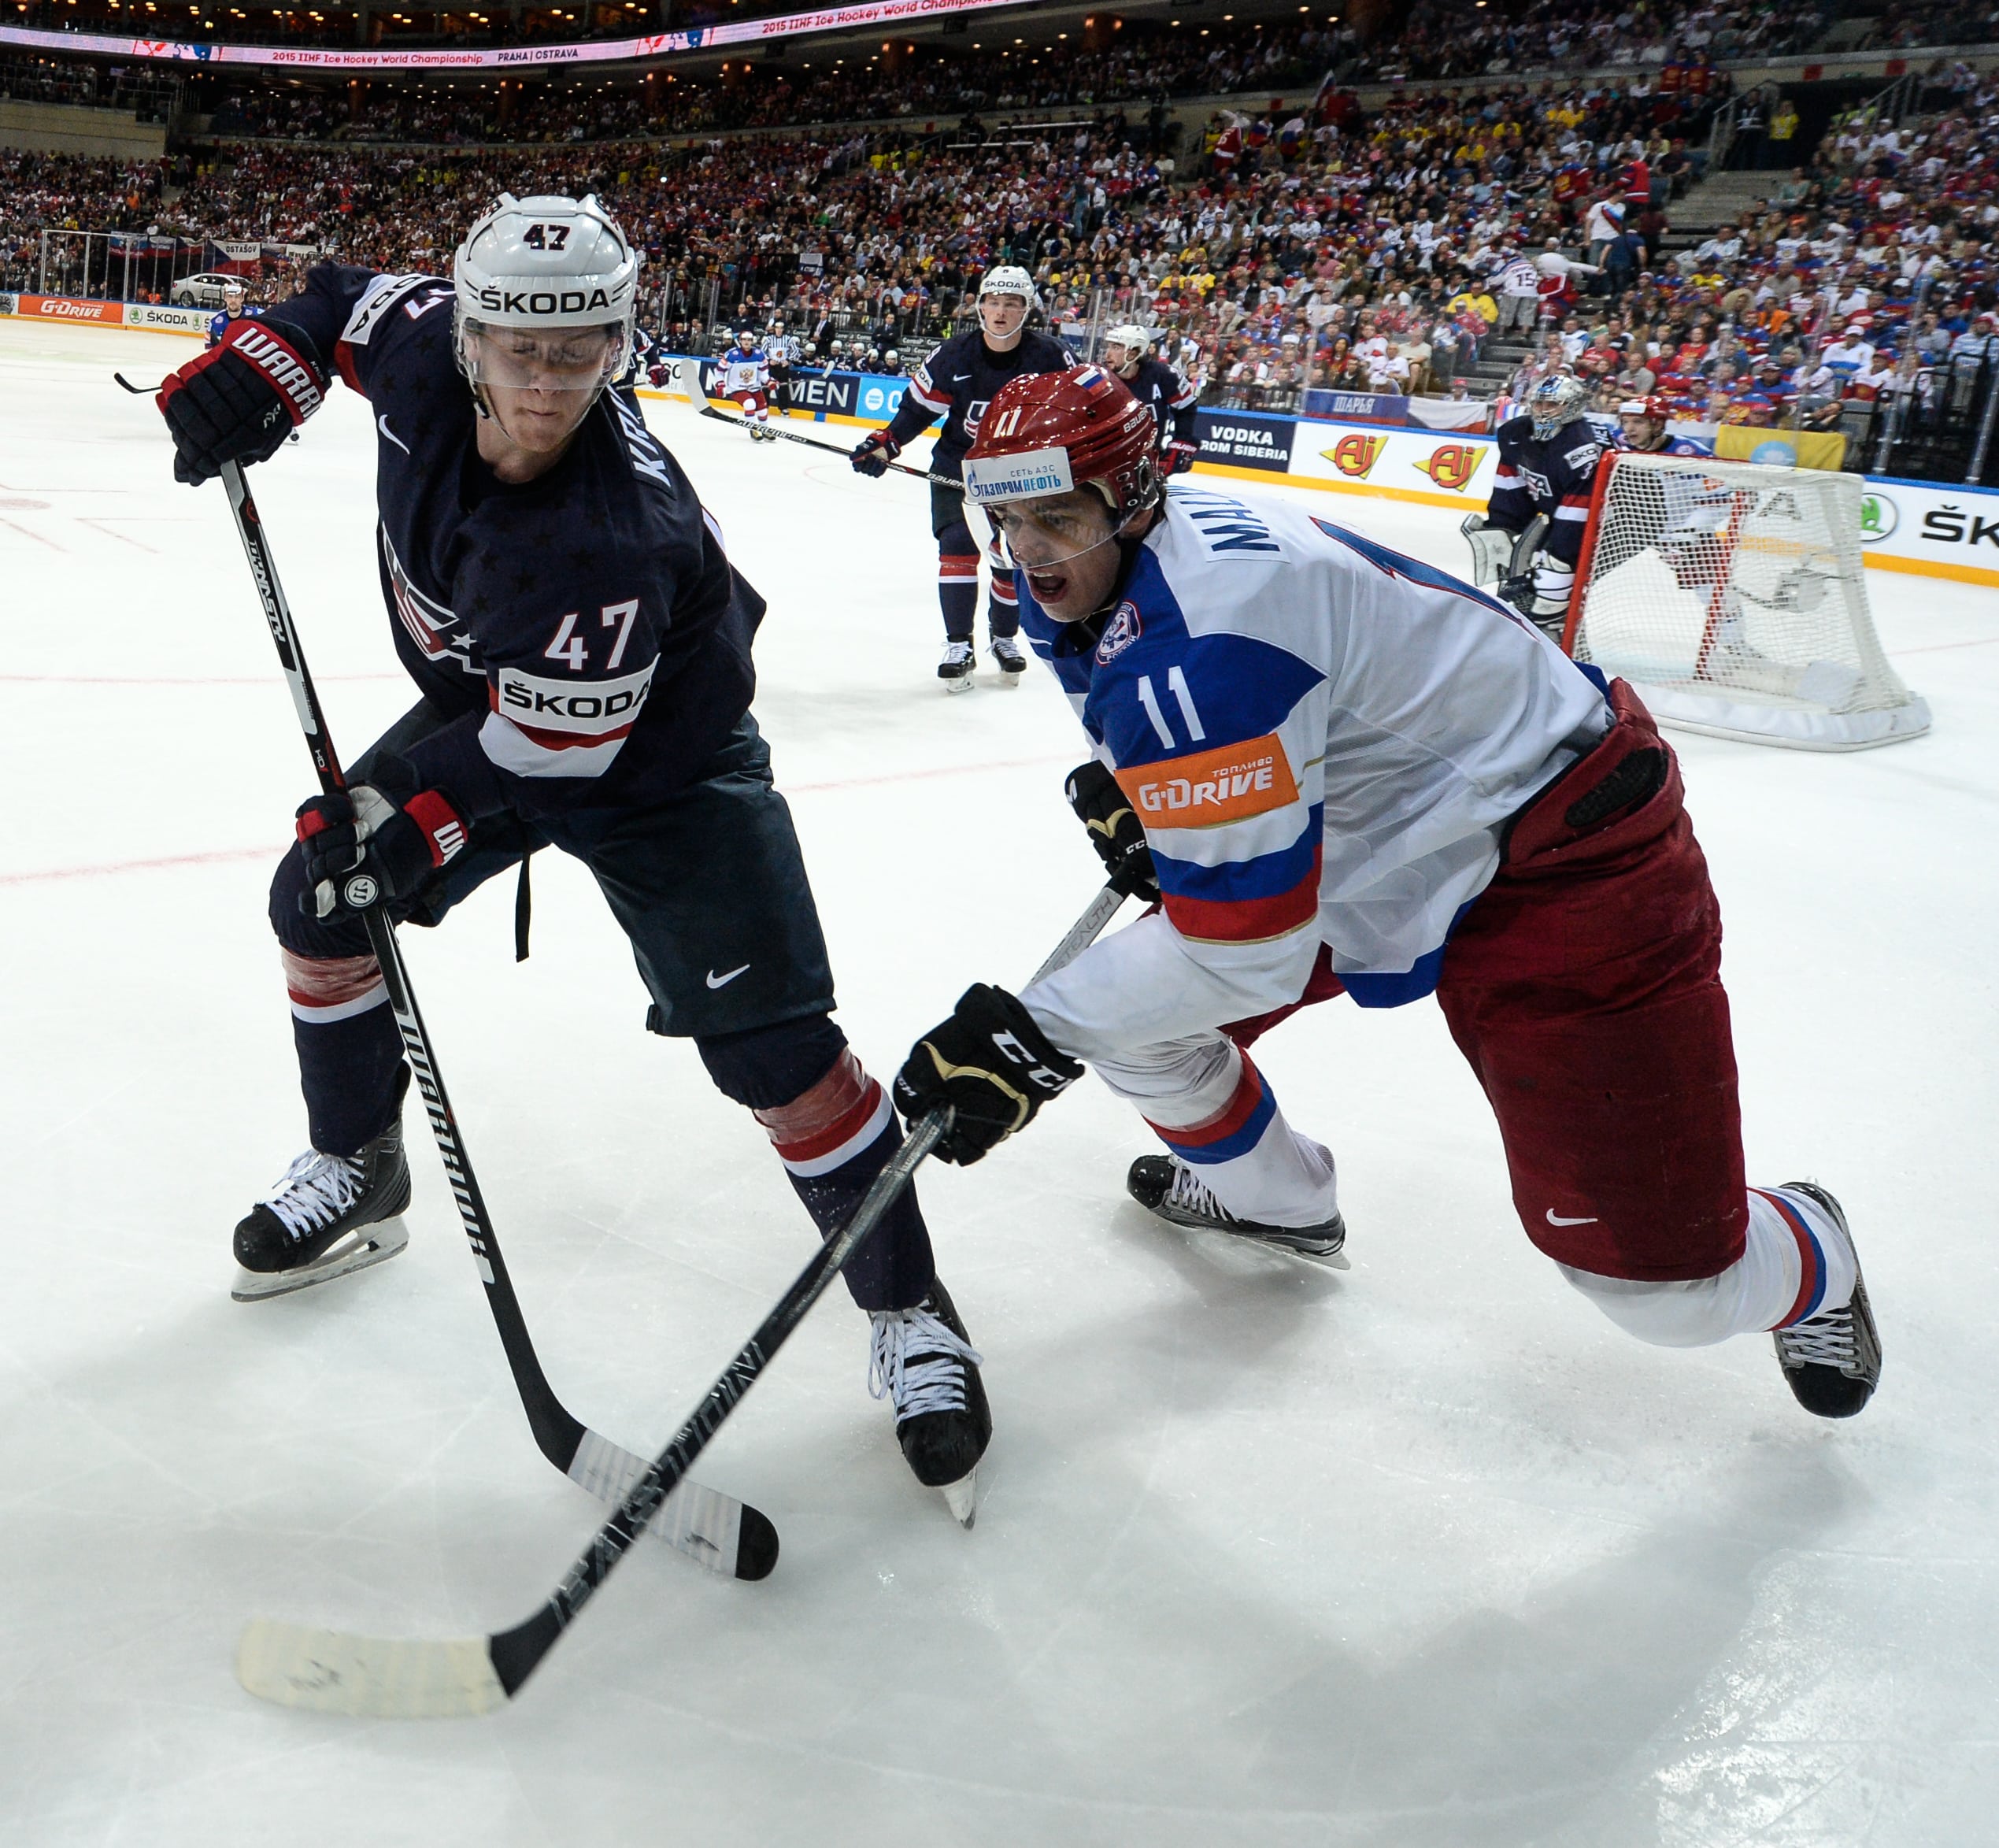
column 1732, row 596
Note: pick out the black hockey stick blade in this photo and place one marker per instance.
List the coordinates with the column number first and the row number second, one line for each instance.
column 380, row 1678
column 714, row 1530
column 831, row 448
column 136, row 390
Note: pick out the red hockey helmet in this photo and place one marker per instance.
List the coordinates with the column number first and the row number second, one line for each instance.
column 1046, row 433
column 1654, row 407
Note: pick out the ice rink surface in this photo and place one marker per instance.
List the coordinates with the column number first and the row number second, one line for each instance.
column 1425, row 1554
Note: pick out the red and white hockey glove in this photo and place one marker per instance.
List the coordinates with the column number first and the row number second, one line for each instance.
column 360, row 848
column 874, row 453
column 240, row 400
column 1180, row 455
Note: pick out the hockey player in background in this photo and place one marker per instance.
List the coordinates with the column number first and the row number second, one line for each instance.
column 1547, row 465
column 1641, row 428
column 582, row 646
column 236, row 307
column 1127, row 352
column 957, row 382
column 1344, row 772
column 744, row 377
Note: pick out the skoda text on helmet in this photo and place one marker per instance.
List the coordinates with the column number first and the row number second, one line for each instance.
column 1008, row 278
column 1048, row 433
column 544, row 265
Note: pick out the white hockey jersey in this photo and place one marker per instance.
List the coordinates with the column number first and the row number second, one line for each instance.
column 1322, row 739
column 739, row 371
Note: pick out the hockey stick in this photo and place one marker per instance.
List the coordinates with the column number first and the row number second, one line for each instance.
column 726, row 1535
column 433, row 1679
column 136, row 390
column 831, row 448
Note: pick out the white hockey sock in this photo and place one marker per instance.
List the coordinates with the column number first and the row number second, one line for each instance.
column 1204, row 1099
column 1795, row 1263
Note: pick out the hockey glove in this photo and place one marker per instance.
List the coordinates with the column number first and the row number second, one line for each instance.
column 874, row 453
column 1180, row 455
column 360, row 847
column 1115, row 831
column 990, row 1065
column 240, row 400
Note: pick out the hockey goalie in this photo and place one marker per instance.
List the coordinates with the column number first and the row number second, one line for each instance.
column 1732, row 594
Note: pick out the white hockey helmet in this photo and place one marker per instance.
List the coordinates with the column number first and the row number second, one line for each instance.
column 1008, row 278
column 1135, row 340
column 545, row 264
column 1556, row 403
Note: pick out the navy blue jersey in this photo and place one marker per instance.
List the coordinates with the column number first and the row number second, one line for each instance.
column 1170, row 396
column 1554, row 478
column 218, row 323
column 585, row 630
column 959, row 380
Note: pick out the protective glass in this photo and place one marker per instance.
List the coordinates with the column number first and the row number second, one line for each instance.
column 543, row 359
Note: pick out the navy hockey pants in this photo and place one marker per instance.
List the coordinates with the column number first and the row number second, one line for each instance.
column 711, row 889
column 958, row 572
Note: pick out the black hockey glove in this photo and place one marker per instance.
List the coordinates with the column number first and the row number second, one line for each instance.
column 1180, row 455
column 240, row 400
column 1115, row 831
column 991, row 1065
column 359, row 846
column 872, row 454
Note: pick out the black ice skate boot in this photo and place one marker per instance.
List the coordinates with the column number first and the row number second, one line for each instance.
column 1174, row 1189
column 923, row 1362
column 1010, row 659
column 955, row 670
column 325, row 1217
column 1831, row 1361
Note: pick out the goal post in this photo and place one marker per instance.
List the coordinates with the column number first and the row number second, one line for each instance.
column 1732, row 595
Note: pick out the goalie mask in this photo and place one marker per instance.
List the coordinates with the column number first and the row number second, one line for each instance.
column 1554, row 404
column 547, row 291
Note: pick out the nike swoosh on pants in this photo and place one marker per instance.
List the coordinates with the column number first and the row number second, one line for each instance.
column 715, row 981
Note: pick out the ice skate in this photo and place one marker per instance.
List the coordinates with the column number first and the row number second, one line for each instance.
column 326, row 1218
column 1174, row 1189
column 1831, row 1361
column 924, row 1363
column 1010, row 660
column 956, row 669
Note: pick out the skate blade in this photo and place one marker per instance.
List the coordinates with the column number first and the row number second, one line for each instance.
column 961, row 684
column 371, row 1245
column 1329, row 1260
column 961, row 1498
column 1010, row 677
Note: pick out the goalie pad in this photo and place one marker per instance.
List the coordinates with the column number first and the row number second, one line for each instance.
column 1492, row 549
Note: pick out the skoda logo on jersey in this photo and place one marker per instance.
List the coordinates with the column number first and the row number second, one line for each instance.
column 362, row 892
column 1122, row 630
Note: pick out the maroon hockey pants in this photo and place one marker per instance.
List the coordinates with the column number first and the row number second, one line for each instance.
column 1583, row 987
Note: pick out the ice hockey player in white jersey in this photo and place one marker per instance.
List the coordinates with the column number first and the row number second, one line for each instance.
column 744, row 377
column 1547, row 465
column 1344, row 772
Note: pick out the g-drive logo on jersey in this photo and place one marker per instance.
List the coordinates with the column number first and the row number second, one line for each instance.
column 1038, row 473
column 1229, row 783
column 1122, row 629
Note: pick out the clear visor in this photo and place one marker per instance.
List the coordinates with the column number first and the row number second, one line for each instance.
column 543, row 359
column 1045, row 534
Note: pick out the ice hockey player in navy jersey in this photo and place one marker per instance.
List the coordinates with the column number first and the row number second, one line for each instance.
column 957, row 382
column 580, row 643
column 1343, row 771
column 1127, row 352
column 235, row 308
column 1547, row 466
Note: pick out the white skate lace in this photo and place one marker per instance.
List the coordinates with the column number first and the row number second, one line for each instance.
column 1191, row 1192
column 1005, row 648
column 315, row 1190
column 1827, row 1340
column 918, row 1363
column 957, row 654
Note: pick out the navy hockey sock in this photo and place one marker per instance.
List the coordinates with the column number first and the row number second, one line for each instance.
column 833, row 1133
column 957, row 594
column 349, row 1053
